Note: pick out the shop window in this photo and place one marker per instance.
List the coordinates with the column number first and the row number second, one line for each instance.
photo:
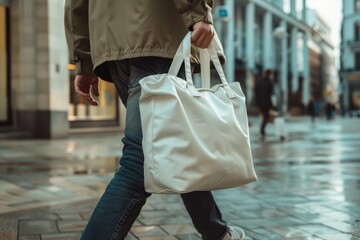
column 106, row 112
column 4, row 95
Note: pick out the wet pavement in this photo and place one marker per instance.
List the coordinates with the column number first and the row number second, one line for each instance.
column 308, row 188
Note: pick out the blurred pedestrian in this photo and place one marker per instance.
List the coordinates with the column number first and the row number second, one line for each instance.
column 263, row 95
column 330, row 110
column 124, row 41
column 312, row 109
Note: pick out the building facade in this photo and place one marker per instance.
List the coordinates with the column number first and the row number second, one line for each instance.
column 350, row 56
column 36, row 77
column 277, row 35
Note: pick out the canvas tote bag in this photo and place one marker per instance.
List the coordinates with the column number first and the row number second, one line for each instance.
column 194, row 139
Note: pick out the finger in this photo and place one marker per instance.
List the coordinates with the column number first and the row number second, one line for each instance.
column 208, row 40
column 195, row 35
column 81, row 90
column 93, row 102
column 200, row 41
column 93, row 95
column 204, row 38
column 95, row 89
column 89, row 100
column 82, row 94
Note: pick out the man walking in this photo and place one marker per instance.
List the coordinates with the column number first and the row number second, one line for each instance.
column 123, row 41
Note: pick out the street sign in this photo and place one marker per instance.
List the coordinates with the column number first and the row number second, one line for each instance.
column 222, row 13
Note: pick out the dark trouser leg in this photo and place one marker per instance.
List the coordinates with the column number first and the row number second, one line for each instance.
column 205, row 214
column 265, row 120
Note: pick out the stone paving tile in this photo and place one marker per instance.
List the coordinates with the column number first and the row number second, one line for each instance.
column 148, row 231
column 86, row 214
column 39, row 216
column 178, row 229
column 353, row 228
column 252, row 235
column 338, row 236
column 71, row 225
column 130, row 236
column 188, row 237
column 30, row 237
column 61, row 236
column 291, row 232
column 8, row 229
column 306, row 189
column 10, row 235
column 262, row 233
column 246, row 223
column 154, row 213
column 70, row 216
column 317, row 229
column 165, row 220
column 159, row 238
column 28, row 227
column 342, row 215
column 137, row 223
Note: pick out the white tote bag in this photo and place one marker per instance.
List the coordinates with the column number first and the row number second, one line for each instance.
column 194, row 139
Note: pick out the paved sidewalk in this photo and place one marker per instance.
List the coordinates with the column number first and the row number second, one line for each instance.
column 308, row 187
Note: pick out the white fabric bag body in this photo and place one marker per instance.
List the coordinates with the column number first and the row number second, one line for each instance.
column 194, row 139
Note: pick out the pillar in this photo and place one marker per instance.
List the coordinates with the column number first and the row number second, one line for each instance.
column 284, row 69
column 303, row 12
column 294, row 59
column 40, row 59
column 250, row 35
column 293, row 8
column 306, row 82
column 268, row 44
column 230, row 42
column 250, row 49
column 239, row 32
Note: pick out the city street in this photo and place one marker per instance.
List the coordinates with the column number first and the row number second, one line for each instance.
column 308, row 187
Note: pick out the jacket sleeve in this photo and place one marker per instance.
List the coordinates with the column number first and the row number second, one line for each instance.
column 194, row 11
column 77, row 34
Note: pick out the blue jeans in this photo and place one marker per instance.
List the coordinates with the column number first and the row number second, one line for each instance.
column 125, row 195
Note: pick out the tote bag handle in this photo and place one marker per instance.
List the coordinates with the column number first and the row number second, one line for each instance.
column 183, row 55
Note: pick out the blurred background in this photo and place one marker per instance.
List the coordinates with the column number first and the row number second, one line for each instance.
column 313, row 50
column 57, row 154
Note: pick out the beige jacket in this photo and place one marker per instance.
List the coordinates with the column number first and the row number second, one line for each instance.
column 98, row 31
